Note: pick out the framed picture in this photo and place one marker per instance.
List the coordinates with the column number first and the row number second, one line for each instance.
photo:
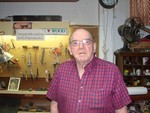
column 21, row 25
column 145, row 60
column 14, row 83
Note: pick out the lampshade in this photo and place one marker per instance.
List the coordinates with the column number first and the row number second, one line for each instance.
column 4, row 56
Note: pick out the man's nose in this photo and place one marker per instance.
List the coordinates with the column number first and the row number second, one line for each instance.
column 81, row 44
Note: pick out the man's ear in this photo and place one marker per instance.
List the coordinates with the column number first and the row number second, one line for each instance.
column 69, row 48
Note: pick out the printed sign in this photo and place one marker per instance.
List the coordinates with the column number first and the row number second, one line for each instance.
column 30, row 34
column 56, row 31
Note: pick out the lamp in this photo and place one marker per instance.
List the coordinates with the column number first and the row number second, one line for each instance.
column 4, row 56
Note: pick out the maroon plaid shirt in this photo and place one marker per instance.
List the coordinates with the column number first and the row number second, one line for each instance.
column 101, row 89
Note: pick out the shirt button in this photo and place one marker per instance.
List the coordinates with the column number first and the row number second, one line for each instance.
column 79, row 101
column 81, row 87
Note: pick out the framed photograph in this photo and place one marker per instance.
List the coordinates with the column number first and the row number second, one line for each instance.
column 14, row 83
column 145, row 60
column 21, row 25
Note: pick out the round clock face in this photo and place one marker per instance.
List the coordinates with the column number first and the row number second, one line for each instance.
column 108, row 3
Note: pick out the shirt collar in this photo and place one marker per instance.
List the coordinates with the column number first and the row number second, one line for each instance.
column 89, row 65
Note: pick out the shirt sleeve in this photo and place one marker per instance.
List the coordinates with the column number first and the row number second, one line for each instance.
column 53, row 87
column 121, row 97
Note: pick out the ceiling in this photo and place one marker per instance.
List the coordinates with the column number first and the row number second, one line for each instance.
column 39, row 0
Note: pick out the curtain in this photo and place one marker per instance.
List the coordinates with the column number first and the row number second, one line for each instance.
column 141, row 8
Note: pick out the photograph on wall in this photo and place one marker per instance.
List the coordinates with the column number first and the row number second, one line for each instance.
column 21, row 25
column 14, row 84
column 145, row 60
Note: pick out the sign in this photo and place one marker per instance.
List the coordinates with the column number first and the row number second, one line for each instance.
column 30, row 34
column 56, row 31
column 21, row 25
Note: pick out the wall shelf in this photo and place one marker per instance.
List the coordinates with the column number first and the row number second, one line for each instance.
column 129, row 63
column 23, row 92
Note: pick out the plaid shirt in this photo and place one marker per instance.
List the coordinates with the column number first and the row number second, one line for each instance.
column 101, row 89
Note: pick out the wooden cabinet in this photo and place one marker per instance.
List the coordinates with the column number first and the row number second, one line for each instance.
column 135, row 67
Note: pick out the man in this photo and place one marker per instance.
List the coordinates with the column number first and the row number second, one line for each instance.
column 87, row 84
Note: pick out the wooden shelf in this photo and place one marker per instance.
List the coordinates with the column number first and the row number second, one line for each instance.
column 140, row 97
column 23, row 92
column 132, row 66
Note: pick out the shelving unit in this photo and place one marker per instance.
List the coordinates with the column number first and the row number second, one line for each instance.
column 24, row 97
column 135, row 67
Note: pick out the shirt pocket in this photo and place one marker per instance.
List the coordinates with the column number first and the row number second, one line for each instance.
column 98, row 99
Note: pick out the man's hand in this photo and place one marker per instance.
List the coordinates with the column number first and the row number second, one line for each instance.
column 53, row 107
column 122, row 110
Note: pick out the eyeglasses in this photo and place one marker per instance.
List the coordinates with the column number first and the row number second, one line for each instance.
column 84, row 42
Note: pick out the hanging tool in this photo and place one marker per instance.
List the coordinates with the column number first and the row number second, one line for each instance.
column 29, row 60
column 42, row 59
column 55, row 66
column 37, row 73
column 25, row 50
column 29, row 65
column 31, row 73
column 57, row 52
column 12, row 41
column 35, row 55
column 46, row 77
column 47, row 73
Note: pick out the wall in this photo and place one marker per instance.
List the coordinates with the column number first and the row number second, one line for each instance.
column 84, row 12
column 110, row 20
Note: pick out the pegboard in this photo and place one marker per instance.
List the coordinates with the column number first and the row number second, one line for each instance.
column 34, row 49
column 34, row 57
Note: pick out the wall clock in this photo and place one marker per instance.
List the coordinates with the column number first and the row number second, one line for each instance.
column 108, row 3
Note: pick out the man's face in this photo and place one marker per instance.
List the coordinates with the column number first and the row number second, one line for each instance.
column 82, row 46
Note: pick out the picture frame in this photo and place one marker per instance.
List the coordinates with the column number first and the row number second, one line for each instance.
column 145, row 60
column 21, row 25
column 14, row 83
